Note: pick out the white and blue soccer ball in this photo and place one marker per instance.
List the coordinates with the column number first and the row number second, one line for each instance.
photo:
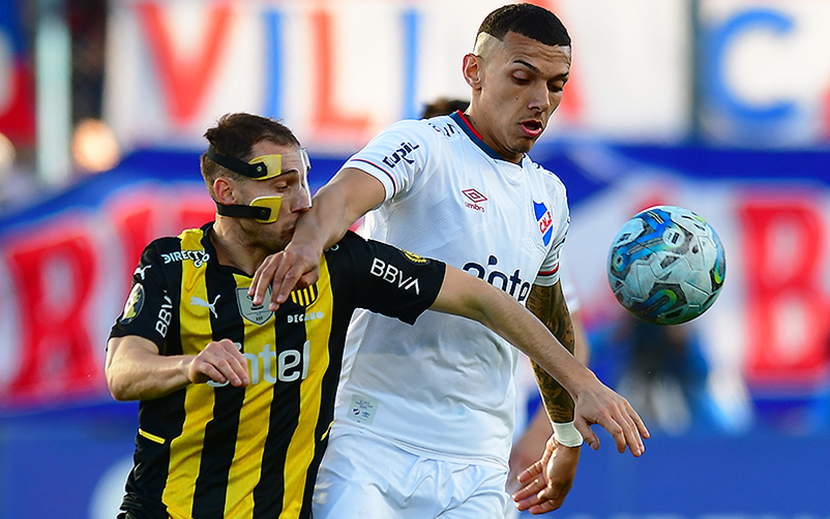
column 666, row 265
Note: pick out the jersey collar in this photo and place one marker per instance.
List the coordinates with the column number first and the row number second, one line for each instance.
column 462, row 121
column 207, row 244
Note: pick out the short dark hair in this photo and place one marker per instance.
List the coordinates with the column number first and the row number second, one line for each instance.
column 235, row 135
column 443, row 106
column 528, row 20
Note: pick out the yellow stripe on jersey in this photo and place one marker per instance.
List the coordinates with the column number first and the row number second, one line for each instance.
column 186, row 450
column 150, row 436
column 300, row 452
column 246, row 469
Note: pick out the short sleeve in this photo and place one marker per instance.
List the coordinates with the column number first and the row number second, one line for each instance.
column 149, row 308
column 385, row 279
column 396, row 155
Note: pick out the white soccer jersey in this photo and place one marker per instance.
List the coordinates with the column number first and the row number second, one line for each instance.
column 446, row 385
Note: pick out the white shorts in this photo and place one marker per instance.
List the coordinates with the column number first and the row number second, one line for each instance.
column 366, row 476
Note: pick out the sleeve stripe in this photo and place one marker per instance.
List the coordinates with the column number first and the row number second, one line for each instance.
column 394, row 185
column 550, row 272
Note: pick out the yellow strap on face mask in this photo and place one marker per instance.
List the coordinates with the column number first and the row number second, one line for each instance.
column 271, row 202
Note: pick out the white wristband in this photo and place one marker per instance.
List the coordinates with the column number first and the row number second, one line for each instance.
column 566, row 434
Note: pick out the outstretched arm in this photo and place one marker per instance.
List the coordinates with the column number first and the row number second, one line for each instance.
column 336, row 206
column 466, row 295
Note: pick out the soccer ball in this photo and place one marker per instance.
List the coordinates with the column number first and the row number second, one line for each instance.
column 666, row 265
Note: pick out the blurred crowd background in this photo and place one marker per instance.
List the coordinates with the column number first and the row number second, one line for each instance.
column 719, row 106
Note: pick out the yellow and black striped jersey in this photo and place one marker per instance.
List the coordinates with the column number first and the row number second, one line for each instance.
column 213, row 450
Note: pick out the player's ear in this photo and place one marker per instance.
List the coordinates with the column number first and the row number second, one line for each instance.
column 472, row 69
column 223, row 187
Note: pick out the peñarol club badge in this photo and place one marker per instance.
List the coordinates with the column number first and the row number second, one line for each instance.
column 257, row 314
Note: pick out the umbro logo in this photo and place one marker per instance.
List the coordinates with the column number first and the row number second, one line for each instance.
column 475, row 198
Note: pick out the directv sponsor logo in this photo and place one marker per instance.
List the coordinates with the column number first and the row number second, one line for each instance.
column 499, row 279
column 300, row 318
column 400, row 154
column 198, row 257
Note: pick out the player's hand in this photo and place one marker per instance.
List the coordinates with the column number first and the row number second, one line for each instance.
column 547, row 482
column 529, row 448
column 295, row 267
column 598, row 404
column 221, row 362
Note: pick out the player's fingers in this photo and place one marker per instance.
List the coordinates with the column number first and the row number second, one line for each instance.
column 542, row 502
column 225, row 356
column 630, row 429
column 527, row 504
column 529, row 494
column 641, row 425
column 615, row 430
column 632, row 436
column 587, row 433
column 544, row 507
column 529, row 491
column 262, row 278
column 239, row 365
column 201, row 371
column 309, row 278
column 232, row 371
column 284, row 279
column 530, row 488
column 530, row 472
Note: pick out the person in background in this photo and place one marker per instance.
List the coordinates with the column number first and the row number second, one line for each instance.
column 444, row 106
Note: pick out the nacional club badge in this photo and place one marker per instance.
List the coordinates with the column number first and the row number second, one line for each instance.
column 545, row 221
column 257, row 314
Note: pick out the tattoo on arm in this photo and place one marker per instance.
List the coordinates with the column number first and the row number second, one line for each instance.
column 548, row 304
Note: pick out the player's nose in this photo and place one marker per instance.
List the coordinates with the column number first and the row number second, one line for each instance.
column 540, row 98
column 302, row 202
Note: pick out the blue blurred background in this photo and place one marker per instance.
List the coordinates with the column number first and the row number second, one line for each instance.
column 720, row 106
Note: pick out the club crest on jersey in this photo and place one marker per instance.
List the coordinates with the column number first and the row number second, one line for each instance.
column 135, row 302
column 305, row 296
column 257, row 314
column 545, row 221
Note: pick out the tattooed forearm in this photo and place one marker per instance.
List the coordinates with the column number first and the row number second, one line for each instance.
column 548, row 304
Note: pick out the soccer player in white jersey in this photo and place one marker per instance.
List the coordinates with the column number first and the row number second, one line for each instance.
column 431, row 436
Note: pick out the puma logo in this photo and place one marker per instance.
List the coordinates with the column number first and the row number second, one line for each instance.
column 198, row 301
column 140, row 271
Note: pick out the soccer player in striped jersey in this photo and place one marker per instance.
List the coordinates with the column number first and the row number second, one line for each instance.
column 236, row 401
column 460, row 188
